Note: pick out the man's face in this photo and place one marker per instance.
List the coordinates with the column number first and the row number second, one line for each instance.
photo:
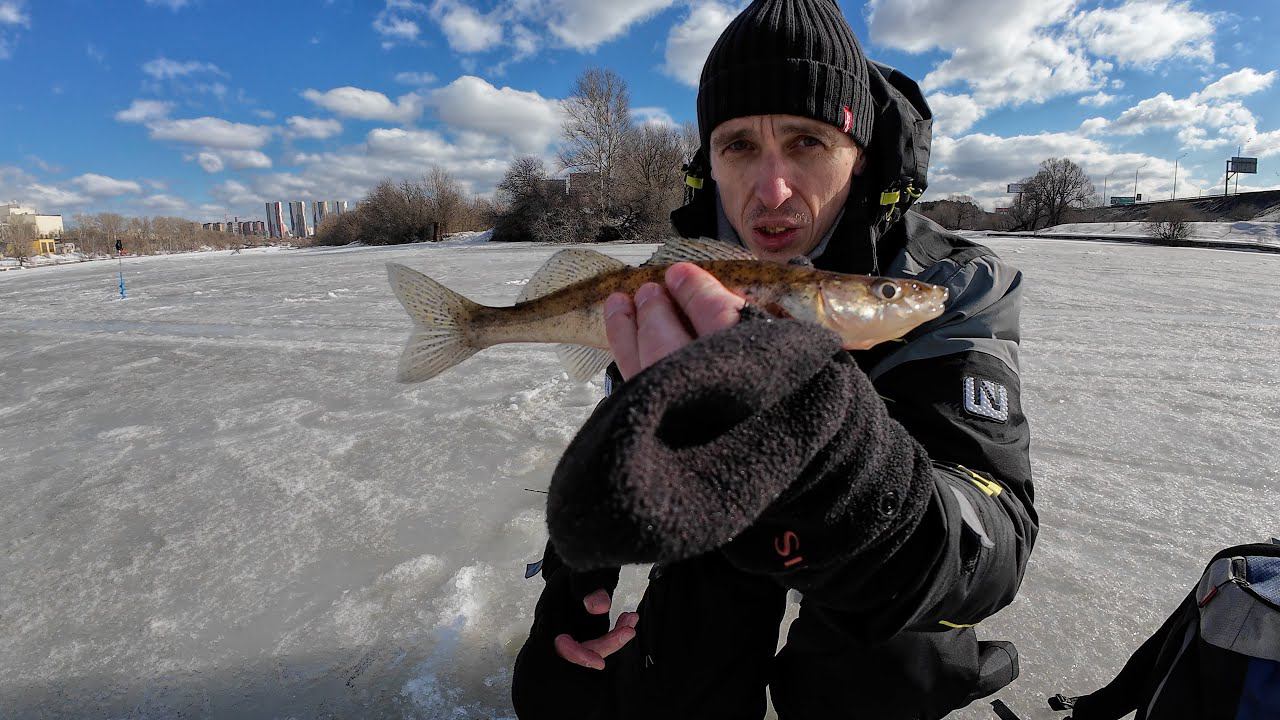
column 783, row 180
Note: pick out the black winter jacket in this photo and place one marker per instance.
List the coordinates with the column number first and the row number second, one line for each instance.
column 708, row 628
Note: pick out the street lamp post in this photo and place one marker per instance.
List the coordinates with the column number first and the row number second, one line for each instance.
column 1104, row 187
column 1135, row 180
column 1175, row 176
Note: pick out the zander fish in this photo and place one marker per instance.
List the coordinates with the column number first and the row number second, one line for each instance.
column 563, row 303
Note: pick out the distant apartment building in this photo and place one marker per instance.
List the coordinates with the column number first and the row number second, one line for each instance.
column 47, row 227
column 298, row 219
column 321, row 211
column 339, row 206
column 275, row 220
column 555, row 186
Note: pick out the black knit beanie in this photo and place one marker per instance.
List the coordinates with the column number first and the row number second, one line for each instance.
column 787, row 57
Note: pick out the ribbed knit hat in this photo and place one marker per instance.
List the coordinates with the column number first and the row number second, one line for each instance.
column 787, row 57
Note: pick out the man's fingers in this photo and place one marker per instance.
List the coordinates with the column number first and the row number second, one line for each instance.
column 598, row 602
column 659, row 330
column 576, row 653
column 591, row 653
column 620, row 328
column 629, row 619
column 611, row 642
column 707, row 303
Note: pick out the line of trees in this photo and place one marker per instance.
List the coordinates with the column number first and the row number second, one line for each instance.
column 97, row 233
column 421, row 210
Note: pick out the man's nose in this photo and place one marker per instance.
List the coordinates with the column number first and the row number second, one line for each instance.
column 773, row 186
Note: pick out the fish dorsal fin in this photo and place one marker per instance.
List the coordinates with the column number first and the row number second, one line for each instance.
column 566, row 268
column 700, row 250
column 582, row 362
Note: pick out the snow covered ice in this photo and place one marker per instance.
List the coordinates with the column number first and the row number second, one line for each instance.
column 218, row 502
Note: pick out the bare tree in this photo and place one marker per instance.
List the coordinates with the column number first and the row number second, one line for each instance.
column 444, row 199
column 1062, row 185
column 598, row 118
column 15, row 240
column 651, row 180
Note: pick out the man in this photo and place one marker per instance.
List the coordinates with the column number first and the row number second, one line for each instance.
column 907, row 521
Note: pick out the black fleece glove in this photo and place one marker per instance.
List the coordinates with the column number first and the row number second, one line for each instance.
column 545, row 685
column 766, row 434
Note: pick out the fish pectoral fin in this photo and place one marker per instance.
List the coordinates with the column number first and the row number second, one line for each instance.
column 566, row 268
column 582, row 362
column 700, row 250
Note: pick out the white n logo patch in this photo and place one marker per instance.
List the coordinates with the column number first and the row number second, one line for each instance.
column 986, row 398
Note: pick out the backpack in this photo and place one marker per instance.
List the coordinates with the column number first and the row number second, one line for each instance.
column 1217, row 657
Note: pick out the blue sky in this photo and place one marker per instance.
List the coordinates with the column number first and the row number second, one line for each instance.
column 204, row 107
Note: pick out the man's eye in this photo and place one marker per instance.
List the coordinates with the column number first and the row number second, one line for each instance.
column 810, row 141
column 737, row 146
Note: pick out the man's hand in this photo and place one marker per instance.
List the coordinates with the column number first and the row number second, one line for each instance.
column 643, row 333
column 591, row 653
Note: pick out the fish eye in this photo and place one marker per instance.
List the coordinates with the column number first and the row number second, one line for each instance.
column 886, row 290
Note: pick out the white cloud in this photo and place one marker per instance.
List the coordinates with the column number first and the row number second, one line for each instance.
column 211, row 132
column 527, row 120
column 50, row 198
column 162, row 204
column 1263, row 145
column 99, row 186
column 690, row 41
column 653, row 116
column 174, row 5
column 1245, row 81
column 13, row 16
column 1145, row 32
column 415, row 78
column 211, row 162
column 585, row 24
column 953, row 114
column 246, row 159
column 1098, row 99
column 1204, row 120
column 1094, row 125
column 265, row 114
column 1031, row 51
column 466, row 30
column 163, row 68
column 316, row 128
column 393, row 22
column 11, row 13
column 1037, row 70
column 144, row 111
column 366, row 104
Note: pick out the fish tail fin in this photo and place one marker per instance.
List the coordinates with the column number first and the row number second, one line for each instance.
column 440, row 317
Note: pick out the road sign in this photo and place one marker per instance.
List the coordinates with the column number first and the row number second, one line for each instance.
column 1247, row 166
column 1004, row 210
column 1016, row 188
column 1123, row 200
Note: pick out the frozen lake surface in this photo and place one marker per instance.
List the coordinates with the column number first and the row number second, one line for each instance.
column 217, row 501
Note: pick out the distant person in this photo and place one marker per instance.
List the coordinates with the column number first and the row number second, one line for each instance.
column 119, row 247
column 891, row 486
